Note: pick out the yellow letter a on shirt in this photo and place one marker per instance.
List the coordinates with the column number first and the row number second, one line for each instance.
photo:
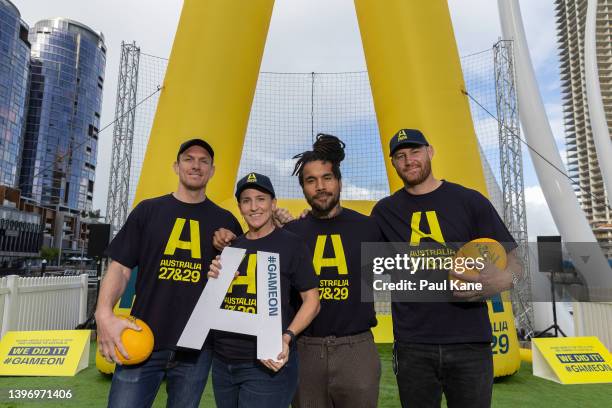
column 434, row 228
column 175, row 242
column 339, row 260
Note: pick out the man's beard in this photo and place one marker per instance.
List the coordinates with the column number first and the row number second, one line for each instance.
column 420, row 177
column 323, row 209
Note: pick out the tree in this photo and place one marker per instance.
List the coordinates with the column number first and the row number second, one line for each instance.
column 49, row 254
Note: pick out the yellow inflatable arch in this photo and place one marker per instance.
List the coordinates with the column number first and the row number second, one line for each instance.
column 416, row 82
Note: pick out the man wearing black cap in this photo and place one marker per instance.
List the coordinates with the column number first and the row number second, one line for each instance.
column 442, row 347
column 169, row 240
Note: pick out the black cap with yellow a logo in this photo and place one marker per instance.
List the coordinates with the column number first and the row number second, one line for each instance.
column 405, row 138
column 256, row 181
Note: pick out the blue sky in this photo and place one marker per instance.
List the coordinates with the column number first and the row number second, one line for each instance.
column 313, row 35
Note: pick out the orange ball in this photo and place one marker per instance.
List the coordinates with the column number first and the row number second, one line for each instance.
column 103, row 365
column 489, row 250
column 138, row 344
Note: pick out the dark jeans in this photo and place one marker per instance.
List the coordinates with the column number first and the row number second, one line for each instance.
column 252, row 385
column 464, row 372
column 185, row 372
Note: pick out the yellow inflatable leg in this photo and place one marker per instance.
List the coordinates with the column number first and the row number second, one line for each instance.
column 506, row 347
column 208, row 91
column 416, row 80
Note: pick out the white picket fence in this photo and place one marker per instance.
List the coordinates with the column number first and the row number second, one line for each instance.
column 49, row 303
column 594, row 319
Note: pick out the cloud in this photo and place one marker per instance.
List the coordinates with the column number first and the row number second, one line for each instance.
column 539, row 218
column 476, row 24
column 313, row 35
column 351, row 191
column 477, row 27
column 540, row 28
column 487, row 130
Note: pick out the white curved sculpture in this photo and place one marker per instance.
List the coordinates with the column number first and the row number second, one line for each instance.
column 567, row 214
column 597, row 115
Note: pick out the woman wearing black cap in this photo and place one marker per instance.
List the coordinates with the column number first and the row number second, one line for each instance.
column 239, row 379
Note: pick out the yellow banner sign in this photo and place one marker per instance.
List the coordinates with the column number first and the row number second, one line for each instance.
column 572, row 360
column 54, row 353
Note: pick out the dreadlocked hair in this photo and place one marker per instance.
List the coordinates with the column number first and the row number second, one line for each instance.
column 326, row 148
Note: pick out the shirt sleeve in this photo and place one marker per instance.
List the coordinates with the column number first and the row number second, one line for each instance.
column 490, row 225
column 125, row 247
column 374, row 212
column 376, row 234
column 303, row 276
column 235, row 226
column 291, row 226
column 376, row 218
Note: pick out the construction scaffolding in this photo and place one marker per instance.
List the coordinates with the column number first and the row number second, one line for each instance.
column 511, row 167
column 117, row 206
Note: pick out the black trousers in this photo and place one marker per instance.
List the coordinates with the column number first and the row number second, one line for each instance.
column 463, row 372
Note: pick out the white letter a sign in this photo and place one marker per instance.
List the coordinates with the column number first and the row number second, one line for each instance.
column 266, row 324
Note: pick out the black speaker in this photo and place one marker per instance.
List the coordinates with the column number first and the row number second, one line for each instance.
column 99, row 238
column 550, row 258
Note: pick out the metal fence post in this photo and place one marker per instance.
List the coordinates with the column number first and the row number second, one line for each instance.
column 10, row 304
column 83, row 298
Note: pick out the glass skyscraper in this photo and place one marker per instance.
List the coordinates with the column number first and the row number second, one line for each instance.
column 61, row 139
column 14, row 63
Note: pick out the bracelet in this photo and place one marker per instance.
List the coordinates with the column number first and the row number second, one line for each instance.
column 290, row 334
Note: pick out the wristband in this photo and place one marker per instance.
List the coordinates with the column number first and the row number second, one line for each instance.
column 290, row 334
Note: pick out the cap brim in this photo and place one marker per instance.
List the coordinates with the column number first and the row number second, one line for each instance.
column 255, row 187
column 407, row 144
column 197, row 142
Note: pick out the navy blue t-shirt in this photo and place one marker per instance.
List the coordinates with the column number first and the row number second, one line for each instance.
column 336, row 247
column 171, row 243
column 296, row 275
column 449, row 214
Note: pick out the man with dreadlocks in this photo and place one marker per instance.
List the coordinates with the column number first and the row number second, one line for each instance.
column 339, row 364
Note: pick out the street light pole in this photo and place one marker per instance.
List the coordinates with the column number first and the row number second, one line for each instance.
column 61, row 244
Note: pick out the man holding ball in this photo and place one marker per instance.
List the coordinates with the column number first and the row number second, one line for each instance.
column 169, row 239
column 442, row 347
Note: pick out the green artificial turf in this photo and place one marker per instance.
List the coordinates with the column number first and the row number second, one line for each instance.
column 90, row 388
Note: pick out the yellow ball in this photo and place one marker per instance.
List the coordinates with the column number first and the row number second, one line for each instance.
column 489, row 250
column 103, row 365
column 138, row 344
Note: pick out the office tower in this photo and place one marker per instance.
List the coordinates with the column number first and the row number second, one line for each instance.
column 14, row 65
column 60, row 145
